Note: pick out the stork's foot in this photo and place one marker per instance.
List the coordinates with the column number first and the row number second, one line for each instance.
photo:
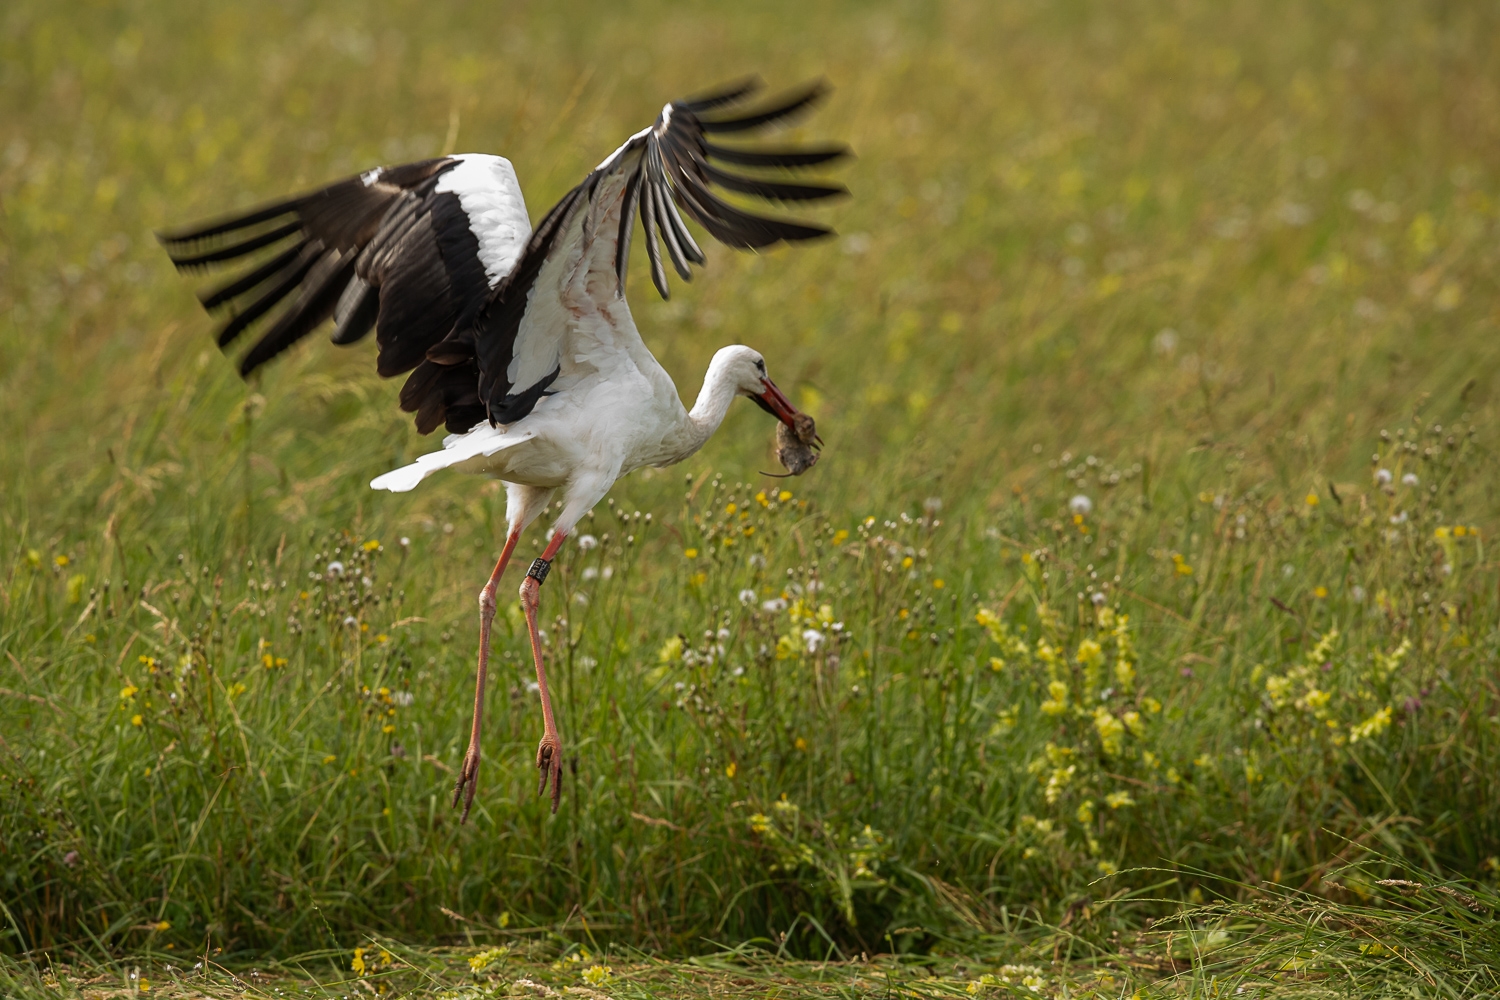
column 468, row 781
column 549, row 766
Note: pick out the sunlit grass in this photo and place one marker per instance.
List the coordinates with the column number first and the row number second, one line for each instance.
column 1197, row 268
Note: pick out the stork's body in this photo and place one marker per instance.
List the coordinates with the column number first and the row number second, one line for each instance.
column 520, row 341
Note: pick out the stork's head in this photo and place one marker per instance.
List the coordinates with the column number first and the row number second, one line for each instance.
column 745, row 369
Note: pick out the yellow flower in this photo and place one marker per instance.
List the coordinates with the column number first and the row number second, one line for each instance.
column 729, row 771
column 997, row 664
column 128, row 691
column 1107, row 868
column 784, row 496
column 1441, row 533
column 358, row 965
column 840, row 536
column 1459, row 531
column 61, row 561
column 671, row 650
column 1085, row 814
column 136, row 720
column 162, row 925
column 329, row 759
column 690, row 553
column 372, row 545
column 800, row 744
column 1111, row 732
column 699, row 579
column 1089, row 653
column 938, row 584
column 387, row 728
column 760, row 498
column 1058, row 703
column 1312, row 499
column 1118, row 800
column 760, row 823
column 143, row 985
column 1372, row 726
column 597, row 975
column 906, row 563
column 33, row 558
column 1320, row 592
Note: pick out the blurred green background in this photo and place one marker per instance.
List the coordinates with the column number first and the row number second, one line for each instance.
column 1214, row 247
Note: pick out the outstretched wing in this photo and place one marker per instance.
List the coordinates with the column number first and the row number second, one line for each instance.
column 410, row 251
column 660, row 173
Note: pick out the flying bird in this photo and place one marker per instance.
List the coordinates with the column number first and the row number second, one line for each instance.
column 517, row 339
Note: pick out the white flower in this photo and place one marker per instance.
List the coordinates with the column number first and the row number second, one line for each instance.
column 591, row 573
column 1383, row 477
column 1358, row 593
column 403, row 698
column 580, row 597
column 932, row 506
column 335, row 568
column 678, row 686
column 586, row 542
column 813, row 638
column 774, row 605
column 1399, row 518
column 757, row 561
column 1080, row 504
column 606, row 572
column 723, row 634
column 351, row 621
column 1410, row 479
column 367, row 581
column 532, row 687
column 1098, row 598
column 738, row 671
column 405, row 541
column 747, row 596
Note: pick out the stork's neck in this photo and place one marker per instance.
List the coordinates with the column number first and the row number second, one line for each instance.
column 708, row 412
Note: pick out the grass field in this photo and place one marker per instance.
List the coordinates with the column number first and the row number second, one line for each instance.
column 1225, row 271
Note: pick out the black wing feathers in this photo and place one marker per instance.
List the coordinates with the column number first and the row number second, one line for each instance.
column 334, row 226
column 675, row 173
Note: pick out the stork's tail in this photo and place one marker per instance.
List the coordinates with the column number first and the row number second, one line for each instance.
column 481, row 442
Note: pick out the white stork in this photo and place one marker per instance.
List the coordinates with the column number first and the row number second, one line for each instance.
column 520, row 341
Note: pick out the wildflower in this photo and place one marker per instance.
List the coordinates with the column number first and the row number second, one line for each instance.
column 1320, row 592
column 482, row 961
column 784, row 496
column 1058, row 703
column 1107, row 868
column 1085, row 814
column 61, row 562
column 1111, row 732
column 760, row 498
column 1098, row 598
column 813, row 639
column 840, row 536
column 329, row 758
column 1383, row 477
column 690, row 553
column 1410, row 479
column 1312, row 499
column 335, row 568
column 938, row 584
column 128, row 691
column 1180, row 565
column 906, row 563
column 372, row 545
column 358, row 965
column 1119, row 800
column 597, row 975
column 1133, row 723
column 1080, row 505
column 671, row 650
column 1373, row 726
column 774, row 605
column 747, row 596
column 760, row 823
column 800, row 744
column 586, row 542
column 162, row 925
column 136, row 720
column 1089, row 653
column 729, row 772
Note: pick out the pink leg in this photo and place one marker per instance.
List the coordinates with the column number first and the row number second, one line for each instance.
column 549, row 751
column 468, row 777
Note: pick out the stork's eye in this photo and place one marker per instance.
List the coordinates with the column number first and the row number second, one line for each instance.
column 760, row 366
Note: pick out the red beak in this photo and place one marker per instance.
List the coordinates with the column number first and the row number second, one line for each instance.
column 774, row 402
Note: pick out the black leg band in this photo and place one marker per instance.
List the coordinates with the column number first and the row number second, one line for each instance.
column 538, row 571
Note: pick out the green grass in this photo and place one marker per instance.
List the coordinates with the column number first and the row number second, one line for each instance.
column 1198, row 264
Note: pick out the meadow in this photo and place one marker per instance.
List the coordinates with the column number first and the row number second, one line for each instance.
column 1137, row 630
